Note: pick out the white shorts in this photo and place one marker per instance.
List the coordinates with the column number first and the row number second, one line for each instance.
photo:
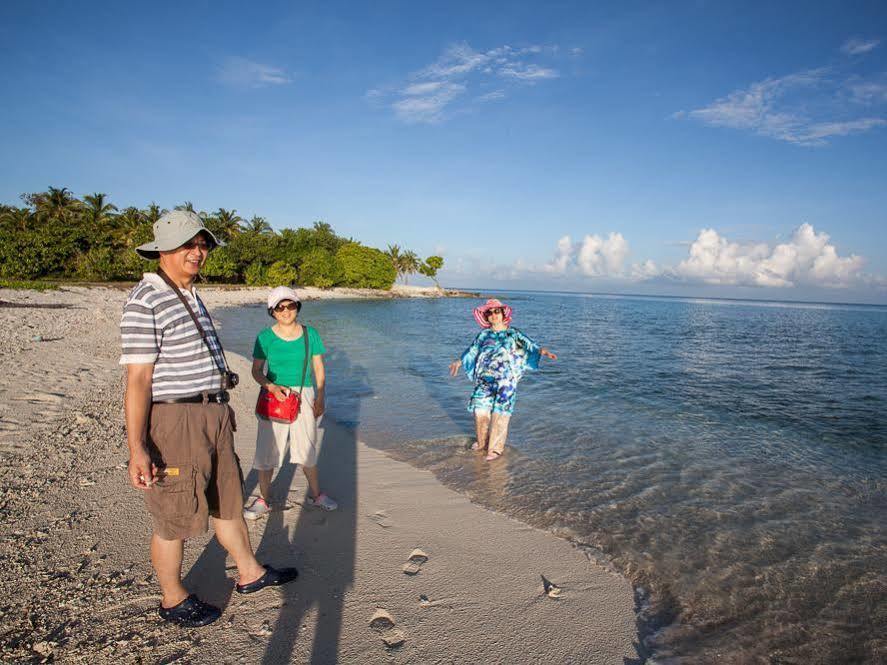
column 301, row 436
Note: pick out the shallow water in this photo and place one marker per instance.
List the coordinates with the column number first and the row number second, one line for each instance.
column 727, row 457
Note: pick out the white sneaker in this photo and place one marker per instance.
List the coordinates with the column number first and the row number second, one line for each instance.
column 257, row 510
column 322, row 501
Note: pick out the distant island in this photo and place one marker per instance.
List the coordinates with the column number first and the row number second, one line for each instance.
column 56, row 235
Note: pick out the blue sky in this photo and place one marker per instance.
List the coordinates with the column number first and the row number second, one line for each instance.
column 699, row 148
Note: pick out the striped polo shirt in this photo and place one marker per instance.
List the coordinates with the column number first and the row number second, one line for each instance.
column 156, row 328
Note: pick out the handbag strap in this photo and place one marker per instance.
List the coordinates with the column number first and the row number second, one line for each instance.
column 223, row 369
column 305, row 364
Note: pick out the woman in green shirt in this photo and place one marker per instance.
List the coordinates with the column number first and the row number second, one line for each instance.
column 278, row 364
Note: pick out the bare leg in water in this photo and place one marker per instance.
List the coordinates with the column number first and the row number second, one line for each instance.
column 498, row 435
column 482, row 428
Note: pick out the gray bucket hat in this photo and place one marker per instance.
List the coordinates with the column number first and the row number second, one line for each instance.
column 173, row 230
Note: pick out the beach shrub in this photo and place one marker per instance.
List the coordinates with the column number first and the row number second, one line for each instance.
column 131, row 266
column 249, row 248
column 365, row 267
column 98, row 264
column 319, row 268
column 46, row 249
column 294, row 245
column 220, row 266
column 281, row 274
column 255, row 274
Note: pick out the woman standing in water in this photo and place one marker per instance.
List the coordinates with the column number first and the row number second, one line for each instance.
column 279, row 365
column 496, row 361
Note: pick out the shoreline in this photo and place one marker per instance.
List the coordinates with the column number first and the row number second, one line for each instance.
column 79, row 586
column 232, row 295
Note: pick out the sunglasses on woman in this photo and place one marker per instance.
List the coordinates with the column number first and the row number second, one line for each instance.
column 495, row 310
column 290, row 306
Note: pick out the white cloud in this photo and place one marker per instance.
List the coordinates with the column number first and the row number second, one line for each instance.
column 428, row 92
column 593, row 257
column 423, row 88
column 456, row 60
column 808, row 258
column 857, row 46
column 645, row 270
column 244, row 73
column 528, row 72
column 806, row 108
column 492, row 96
column 562, row 257
column 427, row 108
column 871, row 91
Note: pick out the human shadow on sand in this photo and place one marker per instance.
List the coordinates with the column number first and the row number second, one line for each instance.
column 323, row 542
column 320, row 544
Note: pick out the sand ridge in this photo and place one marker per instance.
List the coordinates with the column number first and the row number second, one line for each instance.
column 78, row 585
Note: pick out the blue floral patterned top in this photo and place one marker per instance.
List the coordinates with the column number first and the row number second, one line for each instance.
column 506, row 354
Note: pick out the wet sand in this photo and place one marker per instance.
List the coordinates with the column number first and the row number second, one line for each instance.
column 78, row 585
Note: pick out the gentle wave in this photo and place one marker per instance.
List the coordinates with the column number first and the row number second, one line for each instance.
column 728, row 459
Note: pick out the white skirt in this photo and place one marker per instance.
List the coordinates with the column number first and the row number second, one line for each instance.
column 302, row 437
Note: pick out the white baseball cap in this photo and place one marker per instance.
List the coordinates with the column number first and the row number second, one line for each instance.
column 279, row 294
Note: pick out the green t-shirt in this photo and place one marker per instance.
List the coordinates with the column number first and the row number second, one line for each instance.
column 285, row 358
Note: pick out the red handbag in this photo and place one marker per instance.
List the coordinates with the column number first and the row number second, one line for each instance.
column 269, row 407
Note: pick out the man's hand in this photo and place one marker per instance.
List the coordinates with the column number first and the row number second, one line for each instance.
column 545, row 353
column 142, row 472
column 454, row 367
column 278, row 391
column 319, row 406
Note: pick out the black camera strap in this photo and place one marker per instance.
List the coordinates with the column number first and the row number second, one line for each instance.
column 223, row 368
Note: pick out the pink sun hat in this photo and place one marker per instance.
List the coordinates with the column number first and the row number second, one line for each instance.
column 481, row 311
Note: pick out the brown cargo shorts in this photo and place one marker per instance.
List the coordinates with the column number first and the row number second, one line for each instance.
column 193, row 445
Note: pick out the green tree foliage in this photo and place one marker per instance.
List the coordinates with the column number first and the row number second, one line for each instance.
column 409, row 264
column 320, row 268
column 56, row 235
column 365, row 267
column 97, row 264
column 221, row 266
column 430, row 266
column 257, row 226
column 224, row 224
column 281, row 273
column 255, row 274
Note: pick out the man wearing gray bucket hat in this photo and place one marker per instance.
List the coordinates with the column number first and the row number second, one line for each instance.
column 179, row 427
column 173, row 230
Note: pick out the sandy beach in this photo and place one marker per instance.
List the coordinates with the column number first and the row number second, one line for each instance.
column 78, row 585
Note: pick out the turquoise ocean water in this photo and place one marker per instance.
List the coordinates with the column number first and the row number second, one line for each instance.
column 728, row 457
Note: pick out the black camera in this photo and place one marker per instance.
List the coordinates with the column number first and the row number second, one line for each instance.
column 231, row 380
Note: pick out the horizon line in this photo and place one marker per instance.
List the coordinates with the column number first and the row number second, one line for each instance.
column 674, row 297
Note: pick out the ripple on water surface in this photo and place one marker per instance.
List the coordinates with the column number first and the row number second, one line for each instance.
column 728, row 457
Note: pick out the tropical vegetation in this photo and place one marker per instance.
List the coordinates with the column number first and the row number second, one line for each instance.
column 55, row 235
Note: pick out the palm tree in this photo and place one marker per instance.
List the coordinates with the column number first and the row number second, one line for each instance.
column 393, row 253
column 98, row 212
column 17, row 218
column 410, row 263
column 56, row 203
column 258, row 226
column 153, row 212
column 187, row 205
column 128, row 224
column 226, row 222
